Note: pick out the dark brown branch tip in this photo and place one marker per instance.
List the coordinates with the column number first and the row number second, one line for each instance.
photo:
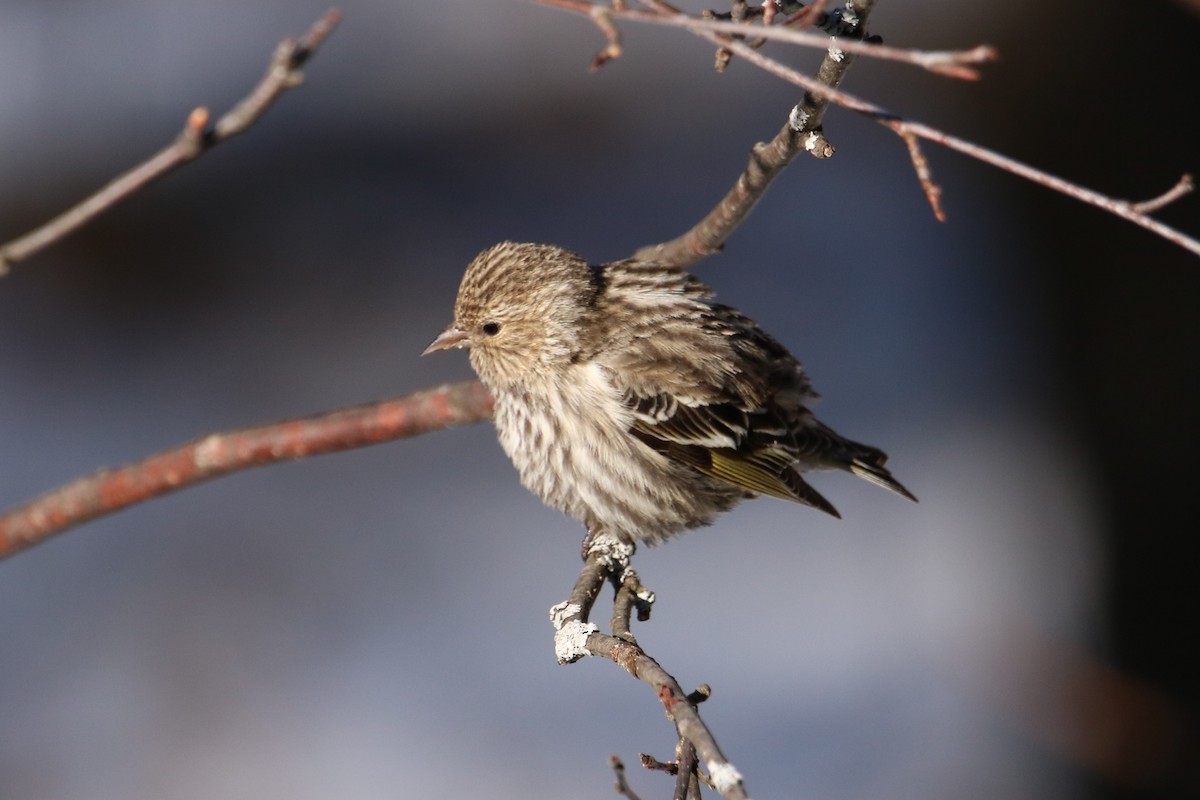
column 317, row 34
column 701, row 693
column 602, row 17
column 721, row 59
column 622, row 787
column 811, row 140
column 652, row 763
column 604, row 56
column 806, row 17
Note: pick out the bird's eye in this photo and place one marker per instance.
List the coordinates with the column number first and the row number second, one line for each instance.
column 491, row 328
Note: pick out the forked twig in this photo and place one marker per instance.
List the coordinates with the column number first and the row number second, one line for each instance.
column 575, row 637
column 196, row 138
column 802, row 132
column 708, row 235
column 951, row 63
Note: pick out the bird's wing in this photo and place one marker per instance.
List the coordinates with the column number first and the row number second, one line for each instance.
column 704, row 385
column 750, row 448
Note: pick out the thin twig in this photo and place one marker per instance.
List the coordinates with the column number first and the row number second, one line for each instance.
column 654, row 765
column 222, row 453
column 1121, row 208
column 602, row 16
column 933, row 192
column 1185, row 185
column 196, row 138
column 807, row 16
column 687, row 786
column 622, row 787
column 951, row 63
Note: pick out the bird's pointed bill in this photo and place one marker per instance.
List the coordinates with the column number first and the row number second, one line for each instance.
column 451, row 337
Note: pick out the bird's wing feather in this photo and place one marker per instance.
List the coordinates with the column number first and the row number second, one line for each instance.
column 747, row 448
column 707, row 388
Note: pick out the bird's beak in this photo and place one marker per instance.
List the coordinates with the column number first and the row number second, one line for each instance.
column 451, row 337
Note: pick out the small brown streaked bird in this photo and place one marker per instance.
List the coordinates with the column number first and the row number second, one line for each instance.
column 629, row 400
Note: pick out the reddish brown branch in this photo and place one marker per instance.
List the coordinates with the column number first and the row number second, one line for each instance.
column 283, row 73
column 222, row 453
column 933, row 192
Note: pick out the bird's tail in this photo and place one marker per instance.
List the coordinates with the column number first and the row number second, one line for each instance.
column 868, row 463
column 820, row 447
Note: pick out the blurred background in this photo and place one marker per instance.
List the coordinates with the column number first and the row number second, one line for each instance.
column 373, row 624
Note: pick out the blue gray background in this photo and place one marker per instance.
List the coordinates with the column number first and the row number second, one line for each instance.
column 373, row 624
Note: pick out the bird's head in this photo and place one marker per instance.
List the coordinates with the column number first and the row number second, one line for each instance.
column 519, row 310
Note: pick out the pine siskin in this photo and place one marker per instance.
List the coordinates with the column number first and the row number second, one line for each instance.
column 629, row 400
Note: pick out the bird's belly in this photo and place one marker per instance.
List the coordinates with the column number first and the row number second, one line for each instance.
column 585, row 463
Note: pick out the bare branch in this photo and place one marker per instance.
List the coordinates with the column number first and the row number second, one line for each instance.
column 1125, row 209
column 951, row 63
column 602, row 16
column 622, row 786
column 1185, row 185
column 903, row 127
column 933, row 192
column 608, row 559
column 767, row 161
column 222, row 453
column 283, row 73
column 801, row 132
column 686, row 782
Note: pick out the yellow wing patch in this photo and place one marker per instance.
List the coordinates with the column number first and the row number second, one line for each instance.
column 749, row 476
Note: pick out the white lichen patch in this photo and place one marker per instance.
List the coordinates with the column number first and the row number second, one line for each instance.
column 798, row 118
column 570, row 643
column 562, row 611
column 724, row 776
column 611, row 549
